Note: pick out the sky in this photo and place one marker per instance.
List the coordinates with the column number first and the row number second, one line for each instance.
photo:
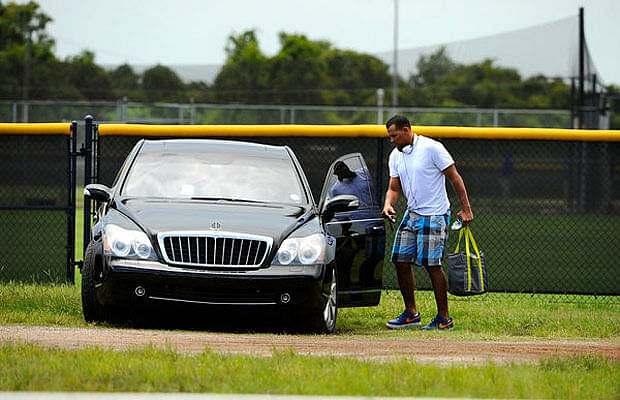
column 192, row 32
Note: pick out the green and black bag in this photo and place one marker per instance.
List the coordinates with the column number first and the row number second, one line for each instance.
column 467, row 271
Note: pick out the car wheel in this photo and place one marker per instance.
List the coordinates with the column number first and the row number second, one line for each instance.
column 325, row 319
column 91, row 274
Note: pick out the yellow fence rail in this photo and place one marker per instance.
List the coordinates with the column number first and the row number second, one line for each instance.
column 377, row 131
column 35, row 129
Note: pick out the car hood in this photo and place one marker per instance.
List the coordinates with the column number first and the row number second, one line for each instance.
column 271, row 220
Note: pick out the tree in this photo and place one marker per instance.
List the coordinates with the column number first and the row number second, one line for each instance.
column 20, row 23
column 439, row 81
column 355, row 77
column 243, row 78
column 433, row 68
column 299, row 72
column 91, row 80
column 162, row 84
column 123, row 78
column 22, row 37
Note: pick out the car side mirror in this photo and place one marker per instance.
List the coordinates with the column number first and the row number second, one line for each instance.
column 98, row 192
column 340, row 203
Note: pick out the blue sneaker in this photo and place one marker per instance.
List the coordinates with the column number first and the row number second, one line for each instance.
column 405, row 320
column 440, row 324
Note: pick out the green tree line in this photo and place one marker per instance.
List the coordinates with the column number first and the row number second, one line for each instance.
column 303, row 71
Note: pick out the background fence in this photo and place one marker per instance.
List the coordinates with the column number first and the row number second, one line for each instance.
column 189, row 113
column 37, row 202
column 547, row 212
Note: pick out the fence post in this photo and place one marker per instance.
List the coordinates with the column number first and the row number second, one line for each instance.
column 88, row 163
column 119, row 110
column 192, row 112
column 124, row 109
column 71, row 211
column 25, row 111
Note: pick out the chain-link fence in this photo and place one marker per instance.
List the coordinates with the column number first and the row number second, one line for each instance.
column 37, row 203
column 189, row 113
column 547, row 212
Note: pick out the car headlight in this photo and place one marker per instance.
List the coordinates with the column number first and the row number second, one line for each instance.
column 121, row 242
column 304, row 250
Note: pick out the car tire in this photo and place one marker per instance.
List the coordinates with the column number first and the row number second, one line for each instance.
column 324, row 320
column 91, row 274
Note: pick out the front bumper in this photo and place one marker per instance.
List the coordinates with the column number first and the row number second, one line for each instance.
column 133, row 282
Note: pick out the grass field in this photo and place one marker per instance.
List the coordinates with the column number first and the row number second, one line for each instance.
column 153, row 370
column 490, row 317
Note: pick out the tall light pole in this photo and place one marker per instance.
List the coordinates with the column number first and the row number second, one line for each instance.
column 395, row 62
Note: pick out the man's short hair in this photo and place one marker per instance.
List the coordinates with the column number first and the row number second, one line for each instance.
column 400, row 121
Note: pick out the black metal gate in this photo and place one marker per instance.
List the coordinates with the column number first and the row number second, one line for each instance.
column 37, row 202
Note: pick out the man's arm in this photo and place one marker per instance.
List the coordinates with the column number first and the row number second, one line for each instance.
column 391, row 197
column 466, row 214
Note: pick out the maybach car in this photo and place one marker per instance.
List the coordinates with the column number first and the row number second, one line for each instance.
column 220, row 224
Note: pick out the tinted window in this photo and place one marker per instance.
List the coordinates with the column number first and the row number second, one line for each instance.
column 213, row 175
column 350, row 176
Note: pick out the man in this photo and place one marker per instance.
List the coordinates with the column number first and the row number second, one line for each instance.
column 418, row 168
column 351, row 182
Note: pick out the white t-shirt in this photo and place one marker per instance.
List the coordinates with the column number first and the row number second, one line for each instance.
column 421, row 177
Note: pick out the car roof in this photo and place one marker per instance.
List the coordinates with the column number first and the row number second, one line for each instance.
column 212, row 145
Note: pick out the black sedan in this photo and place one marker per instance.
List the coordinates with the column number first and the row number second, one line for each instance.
column 233, row 224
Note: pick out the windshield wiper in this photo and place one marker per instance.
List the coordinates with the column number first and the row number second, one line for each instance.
column 226, row 199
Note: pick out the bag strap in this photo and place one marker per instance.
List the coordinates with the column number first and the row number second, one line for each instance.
column 458, row 243
column 469, row 235
column 468, row 259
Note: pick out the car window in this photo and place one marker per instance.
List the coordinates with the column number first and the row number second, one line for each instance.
column 350, row 176
column 213, row 175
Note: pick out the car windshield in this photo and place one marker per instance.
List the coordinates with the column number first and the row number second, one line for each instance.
column 214, row 175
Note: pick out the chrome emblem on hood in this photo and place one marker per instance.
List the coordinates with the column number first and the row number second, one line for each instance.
column 216, row 226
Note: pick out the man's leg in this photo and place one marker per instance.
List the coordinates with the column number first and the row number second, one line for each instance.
column 406, row 282
column 440, row 287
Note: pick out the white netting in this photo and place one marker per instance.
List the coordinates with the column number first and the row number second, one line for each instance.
column 550, row 49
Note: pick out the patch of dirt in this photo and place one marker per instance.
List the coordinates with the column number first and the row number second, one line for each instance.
column 438, row 350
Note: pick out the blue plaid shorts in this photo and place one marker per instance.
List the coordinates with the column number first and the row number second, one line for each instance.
column 421, row 239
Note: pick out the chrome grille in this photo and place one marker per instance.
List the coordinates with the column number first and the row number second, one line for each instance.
column 221, row 250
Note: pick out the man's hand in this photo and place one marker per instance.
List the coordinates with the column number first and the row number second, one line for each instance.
column 389, row 212
column 466, row 215
column 391, row 197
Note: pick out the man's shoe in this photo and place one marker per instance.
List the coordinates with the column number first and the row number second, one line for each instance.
column 405, row 320
column 440, row 324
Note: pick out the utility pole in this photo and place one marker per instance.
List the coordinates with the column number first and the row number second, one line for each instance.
column 581, row 97
column 395, row 63
column 380, row 94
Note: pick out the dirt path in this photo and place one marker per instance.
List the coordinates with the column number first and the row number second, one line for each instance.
column 441, row 350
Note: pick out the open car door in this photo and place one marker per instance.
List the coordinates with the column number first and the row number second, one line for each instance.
column 360, row 234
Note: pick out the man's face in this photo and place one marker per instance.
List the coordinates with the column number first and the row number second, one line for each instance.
column 400, row 137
